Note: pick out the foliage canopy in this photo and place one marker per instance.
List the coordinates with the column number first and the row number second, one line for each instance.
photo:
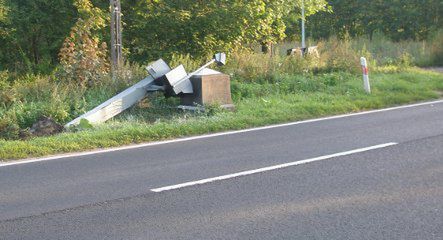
column 83, row 57
column 398, row 19
column 33, row 31
column 156, row 27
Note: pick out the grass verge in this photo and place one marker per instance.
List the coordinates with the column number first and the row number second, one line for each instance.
column 285, row 98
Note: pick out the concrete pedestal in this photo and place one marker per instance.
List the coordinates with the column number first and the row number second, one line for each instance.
column 209, row 90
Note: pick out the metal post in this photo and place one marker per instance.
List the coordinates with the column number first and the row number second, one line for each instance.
column 303, row 36
column 116, row 37
column 364, row 66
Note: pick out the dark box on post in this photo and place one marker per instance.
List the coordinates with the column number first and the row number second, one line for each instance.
column 208, row 90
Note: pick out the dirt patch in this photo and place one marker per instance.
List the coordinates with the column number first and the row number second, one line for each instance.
column 45, row 126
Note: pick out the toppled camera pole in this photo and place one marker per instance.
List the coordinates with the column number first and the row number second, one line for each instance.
column 202, row 87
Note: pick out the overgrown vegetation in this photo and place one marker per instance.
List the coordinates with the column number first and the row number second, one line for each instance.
column 284, row 98
column 266, row 89
column 396, row 19
column 33, row 31
column 83, row 59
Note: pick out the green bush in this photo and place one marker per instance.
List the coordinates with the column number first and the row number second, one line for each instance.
column 7, row 93
column 9, row 129
column 340, row 56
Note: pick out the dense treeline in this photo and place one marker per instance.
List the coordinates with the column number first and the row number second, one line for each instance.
column 33, row 31
column 397, row 19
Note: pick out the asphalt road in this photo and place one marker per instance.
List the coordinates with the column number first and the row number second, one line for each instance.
column 394, row 192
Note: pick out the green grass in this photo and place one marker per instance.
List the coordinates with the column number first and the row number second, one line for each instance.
column 282, row 98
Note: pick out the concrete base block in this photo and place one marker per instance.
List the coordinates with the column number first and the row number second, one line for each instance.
column 209, row 90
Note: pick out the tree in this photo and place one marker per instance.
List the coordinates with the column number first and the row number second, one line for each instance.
column 5, row 36
column 292, row 19
column 83, row 57
column 163, row 27
column 398, row 19
column 3, row 10
column 36, row 29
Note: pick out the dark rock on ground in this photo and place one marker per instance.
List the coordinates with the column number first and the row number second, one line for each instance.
column 45, row 126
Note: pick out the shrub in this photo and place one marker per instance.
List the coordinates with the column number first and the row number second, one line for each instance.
column 7, row 93
column 340, row 56
column 187, row 60
column 9, row 129
column 405, row 60
column 250, row 67
column 4, row 76
column 83, row 58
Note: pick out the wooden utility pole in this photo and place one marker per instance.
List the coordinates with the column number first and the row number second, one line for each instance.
column 116, row 37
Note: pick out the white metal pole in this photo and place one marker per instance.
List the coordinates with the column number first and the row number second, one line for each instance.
column 364, row 67
column 303, row 36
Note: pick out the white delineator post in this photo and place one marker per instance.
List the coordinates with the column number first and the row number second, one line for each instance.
column 364, row 67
